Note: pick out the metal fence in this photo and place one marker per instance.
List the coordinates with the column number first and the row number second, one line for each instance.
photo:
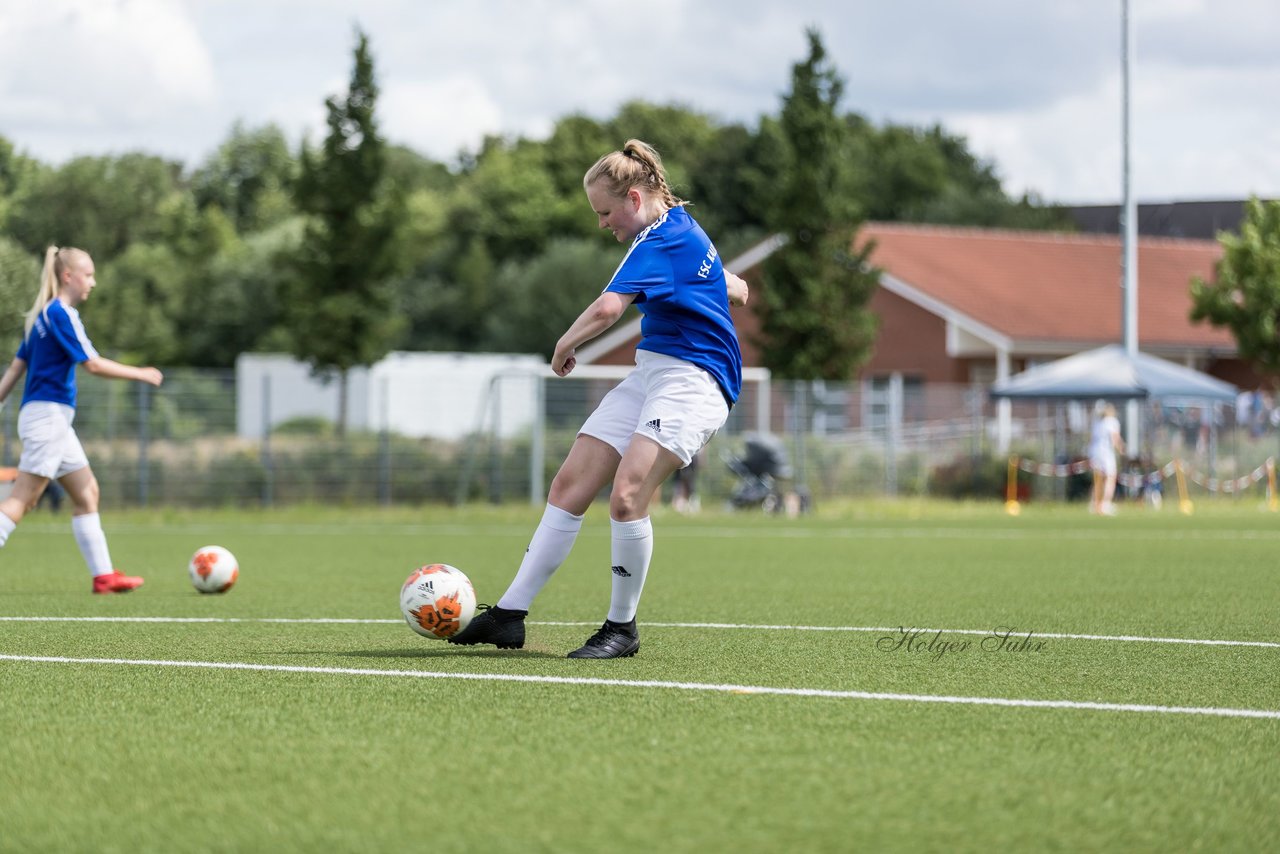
column 178, row 445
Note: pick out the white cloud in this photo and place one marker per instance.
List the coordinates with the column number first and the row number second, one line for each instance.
column 1205, row 132
column 1035, row 86
column 1199, row 128
column 78, row 71
column 1196, row 134
column 439, row 117
column 1068, row 150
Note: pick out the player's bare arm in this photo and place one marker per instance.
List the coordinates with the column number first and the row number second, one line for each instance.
column 737, row 288
column 12, row 374
column 103, row 367
column 598, row 317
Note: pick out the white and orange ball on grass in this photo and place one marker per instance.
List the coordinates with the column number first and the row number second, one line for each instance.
column 437, row 601
column 213, row 569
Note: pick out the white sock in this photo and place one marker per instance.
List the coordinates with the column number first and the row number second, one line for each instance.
column 7, row 527
column 547, row 550
column 92, row 543
column 632, row 550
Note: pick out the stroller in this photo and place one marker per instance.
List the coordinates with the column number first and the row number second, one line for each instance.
column 762, row 464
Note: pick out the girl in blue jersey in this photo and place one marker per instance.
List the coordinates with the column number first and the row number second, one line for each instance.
column 688, row 374
column 53, row 344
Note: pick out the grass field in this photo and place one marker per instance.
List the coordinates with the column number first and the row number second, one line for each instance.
column 774, row 705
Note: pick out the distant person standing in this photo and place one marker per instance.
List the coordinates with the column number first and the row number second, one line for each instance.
column 54, row 343
column 1104, row 443
column 1258, row 413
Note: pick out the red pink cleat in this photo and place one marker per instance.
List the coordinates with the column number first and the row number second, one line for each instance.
column 115, row 582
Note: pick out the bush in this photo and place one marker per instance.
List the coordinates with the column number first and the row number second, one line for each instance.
column 976, row 477
column 304, row 425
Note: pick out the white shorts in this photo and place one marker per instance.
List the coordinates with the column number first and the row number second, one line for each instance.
column 674, row 403
column 1104, row 464
column 50, row 446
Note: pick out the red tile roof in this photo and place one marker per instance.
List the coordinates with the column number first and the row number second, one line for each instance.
column 1049, row 286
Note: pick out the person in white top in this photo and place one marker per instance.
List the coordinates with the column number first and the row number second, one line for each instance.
column 1104, row 443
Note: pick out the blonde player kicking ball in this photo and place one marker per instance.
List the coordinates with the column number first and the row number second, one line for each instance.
column 54, row 342
column 688, row 373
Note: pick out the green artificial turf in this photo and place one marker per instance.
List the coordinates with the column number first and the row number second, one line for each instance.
column 666, row 754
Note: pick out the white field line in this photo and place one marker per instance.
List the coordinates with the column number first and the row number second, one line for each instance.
column 896, row 630
column 678, row 686
column 1104, row 531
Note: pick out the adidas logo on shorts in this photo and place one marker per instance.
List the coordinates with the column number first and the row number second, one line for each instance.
column 655, row 425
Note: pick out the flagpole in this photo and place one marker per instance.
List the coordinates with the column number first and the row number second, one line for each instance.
column 1129, row 225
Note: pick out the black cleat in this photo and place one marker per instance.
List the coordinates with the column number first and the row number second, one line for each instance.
column 614, row 640
column 499, row 626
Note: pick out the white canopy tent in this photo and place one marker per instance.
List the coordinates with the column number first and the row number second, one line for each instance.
column 1110, row 372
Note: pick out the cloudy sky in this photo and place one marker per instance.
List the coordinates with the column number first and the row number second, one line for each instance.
column 1034, row 86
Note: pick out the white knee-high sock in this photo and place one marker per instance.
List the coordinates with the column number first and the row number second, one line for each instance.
column 92, row 543
column 548, row 549
column 7, row 527
column 632, row 551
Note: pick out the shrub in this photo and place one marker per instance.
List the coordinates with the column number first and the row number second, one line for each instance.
column 976, row 477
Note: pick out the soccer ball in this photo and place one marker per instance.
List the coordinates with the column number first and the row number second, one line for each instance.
column 213, row 569
column 437, row 601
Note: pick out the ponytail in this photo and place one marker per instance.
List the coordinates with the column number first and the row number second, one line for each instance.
column 55, row 261
column 638, row 164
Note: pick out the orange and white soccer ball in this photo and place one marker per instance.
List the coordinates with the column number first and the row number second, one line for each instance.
column 213, row 569
column 437, row 601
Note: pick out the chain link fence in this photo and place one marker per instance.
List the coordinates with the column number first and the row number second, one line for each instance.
column 180, row 445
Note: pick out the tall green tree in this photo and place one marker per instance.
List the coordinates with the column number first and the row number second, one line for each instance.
column 1245, row 293
column 814, row 318
column 340, row 311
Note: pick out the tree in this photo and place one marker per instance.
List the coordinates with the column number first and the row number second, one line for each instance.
column 135, row 311
column 679, row 133
column 509, row 202
column 541, row 298
column 99, row 204
column 575, row 143
column 238, row 304
column 814, row 320
column 19, row 278
column 1245, row 293
column 249, row 177
column 928, row 175
column 731, row 183
column 16, row 172
column 340, row 311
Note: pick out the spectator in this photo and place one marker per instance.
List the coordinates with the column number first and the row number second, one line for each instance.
column 1104, row 444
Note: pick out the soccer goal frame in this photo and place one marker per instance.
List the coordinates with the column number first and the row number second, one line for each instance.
column 757, row 393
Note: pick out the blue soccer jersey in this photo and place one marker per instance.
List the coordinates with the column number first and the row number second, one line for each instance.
column 56, row 344
column 678, row 281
